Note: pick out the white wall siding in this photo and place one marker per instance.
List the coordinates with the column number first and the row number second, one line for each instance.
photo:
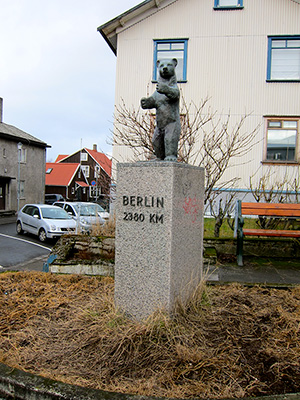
column 227, row 62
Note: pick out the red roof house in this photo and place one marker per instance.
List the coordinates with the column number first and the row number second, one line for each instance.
column 96, row 167
column 66, row 179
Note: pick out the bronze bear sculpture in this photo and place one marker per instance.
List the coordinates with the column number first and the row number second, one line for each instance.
column 166, row 101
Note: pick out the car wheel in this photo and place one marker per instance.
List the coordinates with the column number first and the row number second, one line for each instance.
column 42, row 235
column 19, row 228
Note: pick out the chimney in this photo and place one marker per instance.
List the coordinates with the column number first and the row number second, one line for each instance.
column 94, row 147
column 1, row 109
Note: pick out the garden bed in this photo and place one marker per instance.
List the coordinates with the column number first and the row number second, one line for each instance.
column 228, row 341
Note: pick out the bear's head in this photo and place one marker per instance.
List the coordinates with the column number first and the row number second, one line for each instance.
column 166, row 68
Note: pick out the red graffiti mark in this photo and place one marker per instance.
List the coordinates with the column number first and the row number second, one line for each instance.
column 191, row 207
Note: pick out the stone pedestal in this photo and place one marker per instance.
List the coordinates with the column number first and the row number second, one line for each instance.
column 159, row 235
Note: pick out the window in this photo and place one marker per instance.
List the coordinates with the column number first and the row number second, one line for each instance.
column 223, row 4
column 22, row 189
column 95, row 191
column 68, row 208
column 168, row 49
column 4, row 153
column 282, row 140
column 28, row 210
column 86, row 170
column 83, row 156
column 284, row 58
column 23, row 155
column 36, row 213
column 97, row 171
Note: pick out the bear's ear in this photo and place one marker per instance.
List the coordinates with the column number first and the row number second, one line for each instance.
column 174, row 61
column 157, row 63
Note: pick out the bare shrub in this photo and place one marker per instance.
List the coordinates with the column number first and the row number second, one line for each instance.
column 106, row 229
column 272, row 188
column 207, row 140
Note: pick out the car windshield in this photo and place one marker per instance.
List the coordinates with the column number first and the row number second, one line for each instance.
column 54, row 213
column 88, row 210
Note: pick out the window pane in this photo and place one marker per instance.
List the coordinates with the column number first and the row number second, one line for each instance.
column 86, row 170
column 228, row 3
column 22, row 189
column 23, row 155
column 177, row 46
column 281, row 144
column 293, row 43
column 289, row 124
column 274, row 124
column 278, row 43
column 285, row 64
column 163, row 46
column 83, row 156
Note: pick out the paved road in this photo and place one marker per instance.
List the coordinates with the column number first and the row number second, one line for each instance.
column 21, row 252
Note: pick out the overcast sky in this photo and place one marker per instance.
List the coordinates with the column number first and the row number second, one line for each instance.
column 57, row 73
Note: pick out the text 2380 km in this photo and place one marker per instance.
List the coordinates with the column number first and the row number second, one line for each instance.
column 140, row 217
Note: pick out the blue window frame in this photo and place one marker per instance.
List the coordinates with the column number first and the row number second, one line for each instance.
column 168, row 49
column 228, row 4
column 283, row 58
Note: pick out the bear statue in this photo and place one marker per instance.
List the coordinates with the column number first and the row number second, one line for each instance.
column 166, row 101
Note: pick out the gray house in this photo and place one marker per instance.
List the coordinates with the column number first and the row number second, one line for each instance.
column 22, row 167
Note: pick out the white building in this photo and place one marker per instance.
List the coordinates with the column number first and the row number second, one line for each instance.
column 242, row 54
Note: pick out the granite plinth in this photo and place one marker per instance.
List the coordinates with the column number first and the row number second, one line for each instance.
column 159, row 235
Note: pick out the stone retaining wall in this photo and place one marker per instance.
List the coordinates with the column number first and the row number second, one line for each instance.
column 91, row 255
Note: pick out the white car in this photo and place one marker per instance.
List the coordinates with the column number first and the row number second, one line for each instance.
column 85, row 214
column 45, row 221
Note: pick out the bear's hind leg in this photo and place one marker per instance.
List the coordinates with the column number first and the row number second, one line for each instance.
column 158, row 143
column 172, row 134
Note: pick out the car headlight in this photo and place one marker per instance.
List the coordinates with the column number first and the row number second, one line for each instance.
column 83, row 221
column 53, row 227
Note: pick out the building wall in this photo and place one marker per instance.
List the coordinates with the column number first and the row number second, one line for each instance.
column 226, row 61
column 32, row 172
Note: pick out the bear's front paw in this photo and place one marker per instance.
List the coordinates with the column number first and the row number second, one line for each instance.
column 144, row 102
column 161, row 88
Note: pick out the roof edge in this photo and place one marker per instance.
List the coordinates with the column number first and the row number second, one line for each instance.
column 108, row 30
column 23, row 140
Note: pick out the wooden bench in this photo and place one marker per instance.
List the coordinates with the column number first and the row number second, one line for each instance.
column 275, row 210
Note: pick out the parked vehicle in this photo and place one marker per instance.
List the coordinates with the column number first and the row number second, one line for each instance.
column 85, row 214
column 45, row 221
column 52, row 198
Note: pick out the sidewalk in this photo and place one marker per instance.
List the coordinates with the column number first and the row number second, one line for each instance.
column 269, row 275
column 8, row 219
column 36, row 264
column 271, row 272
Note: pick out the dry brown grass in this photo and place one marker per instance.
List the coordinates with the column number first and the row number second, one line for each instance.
column 228, row 341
